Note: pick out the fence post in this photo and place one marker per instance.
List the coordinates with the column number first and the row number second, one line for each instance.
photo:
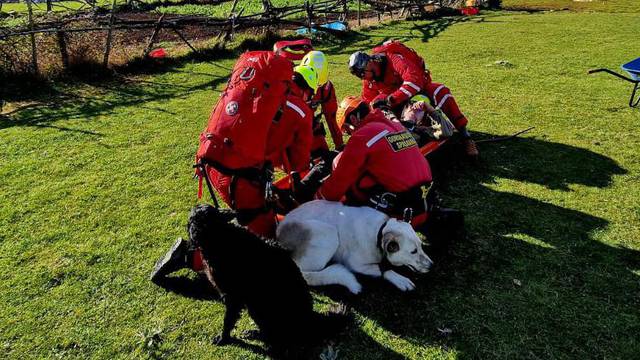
column 62, row 44
column 232, row 23
column 359, row 23
column 34, row 51
column 107, row 49
column 309, row 16
column 152, row 39
column 345, row 8
column 266, row 7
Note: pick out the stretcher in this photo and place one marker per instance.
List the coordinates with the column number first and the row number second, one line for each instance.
column 633, row 69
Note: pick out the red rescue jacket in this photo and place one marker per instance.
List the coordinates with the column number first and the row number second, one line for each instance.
column 289, row 139
column 402, row 78
column 380, row 152
column 326, row 98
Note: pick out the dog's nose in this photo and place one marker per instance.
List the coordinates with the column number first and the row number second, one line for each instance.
column 426, row 262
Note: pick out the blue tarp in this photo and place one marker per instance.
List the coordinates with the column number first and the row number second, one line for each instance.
column 336, row 25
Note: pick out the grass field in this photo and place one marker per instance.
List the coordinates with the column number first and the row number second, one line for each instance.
column 580, row 5
column 96, row 183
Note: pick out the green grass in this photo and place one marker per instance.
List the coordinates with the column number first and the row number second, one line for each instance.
column 58, row 6
column 248, row 7
column 222, row 10
column 584, row 5
column 96, row 183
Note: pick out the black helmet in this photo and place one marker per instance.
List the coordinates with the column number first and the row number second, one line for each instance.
column 358, row 62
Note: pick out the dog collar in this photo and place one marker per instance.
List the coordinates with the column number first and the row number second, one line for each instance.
column 384, row 263
column 380, row 235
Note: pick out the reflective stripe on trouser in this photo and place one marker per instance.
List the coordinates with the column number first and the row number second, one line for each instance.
column 441, row 97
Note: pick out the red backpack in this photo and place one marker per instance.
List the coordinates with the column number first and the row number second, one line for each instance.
column 396, row 47
column 236, row 135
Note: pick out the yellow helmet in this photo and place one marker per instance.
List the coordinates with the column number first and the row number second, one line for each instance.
column 318, row 61
column 420, row 97
column 309, row 75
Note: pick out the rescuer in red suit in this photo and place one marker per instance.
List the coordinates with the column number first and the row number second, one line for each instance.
column 290, row 136
column 399, row 73
column 288, row 145
column 381, row 165
column 324, row 98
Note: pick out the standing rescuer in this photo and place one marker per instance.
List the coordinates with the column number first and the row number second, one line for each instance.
column 399, row 73
column 325, row 98
column 381, row 165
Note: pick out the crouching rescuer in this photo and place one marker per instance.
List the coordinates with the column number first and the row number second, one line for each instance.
column 398, row 73
column 381, row 165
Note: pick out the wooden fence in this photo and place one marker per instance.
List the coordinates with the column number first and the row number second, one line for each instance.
column 90, row 18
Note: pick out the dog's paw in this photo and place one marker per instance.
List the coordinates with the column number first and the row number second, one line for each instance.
column 221, row 340
column 399, row 281
column 354, row 287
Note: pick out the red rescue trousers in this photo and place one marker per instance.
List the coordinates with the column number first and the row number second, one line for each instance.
column 241, row 194
column 441, row 98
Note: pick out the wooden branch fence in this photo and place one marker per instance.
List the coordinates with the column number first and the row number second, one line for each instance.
column 306, row 15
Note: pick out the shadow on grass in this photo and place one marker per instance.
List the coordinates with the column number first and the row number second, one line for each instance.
column 530, row 280
column 366, row 38
column 47, row 102
column 193, row 287
column 54, row 104
column 199, row 288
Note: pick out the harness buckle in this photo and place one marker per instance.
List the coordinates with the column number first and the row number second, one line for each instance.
column 384, row 201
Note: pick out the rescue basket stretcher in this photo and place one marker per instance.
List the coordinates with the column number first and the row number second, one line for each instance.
column 633, row 69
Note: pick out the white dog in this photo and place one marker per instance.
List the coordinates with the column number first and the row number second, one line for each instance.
column 350, row 239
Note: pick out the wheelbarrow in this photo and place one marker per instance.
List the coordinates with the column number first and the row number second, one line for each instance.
column 633, row 69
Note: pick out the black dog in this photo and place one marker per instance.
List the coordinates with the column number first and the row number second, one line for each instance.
column 252, row 272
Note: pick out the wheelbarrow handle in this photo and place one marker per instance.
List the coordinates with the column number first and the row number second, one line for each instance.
column 593, row 71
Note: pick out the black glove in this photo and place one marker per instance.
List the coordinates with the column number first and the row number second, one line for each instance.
column 410, row 125
column 318, row 172
column 382, row 104
column 307, row 187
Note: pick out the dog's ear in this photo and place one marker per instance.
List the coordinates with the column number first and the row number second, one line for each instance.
column 390, row 243
column 392, row 247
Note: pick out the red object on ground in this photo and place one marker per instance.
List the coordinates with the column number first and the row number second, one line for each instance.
column 158, row 53
column 469, row 11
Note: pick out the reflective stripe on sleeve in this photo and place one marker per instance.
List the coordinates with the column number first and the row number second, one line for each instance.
column 412, row 85
column 377, row 137
column 296, row 108
column 409, row 94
